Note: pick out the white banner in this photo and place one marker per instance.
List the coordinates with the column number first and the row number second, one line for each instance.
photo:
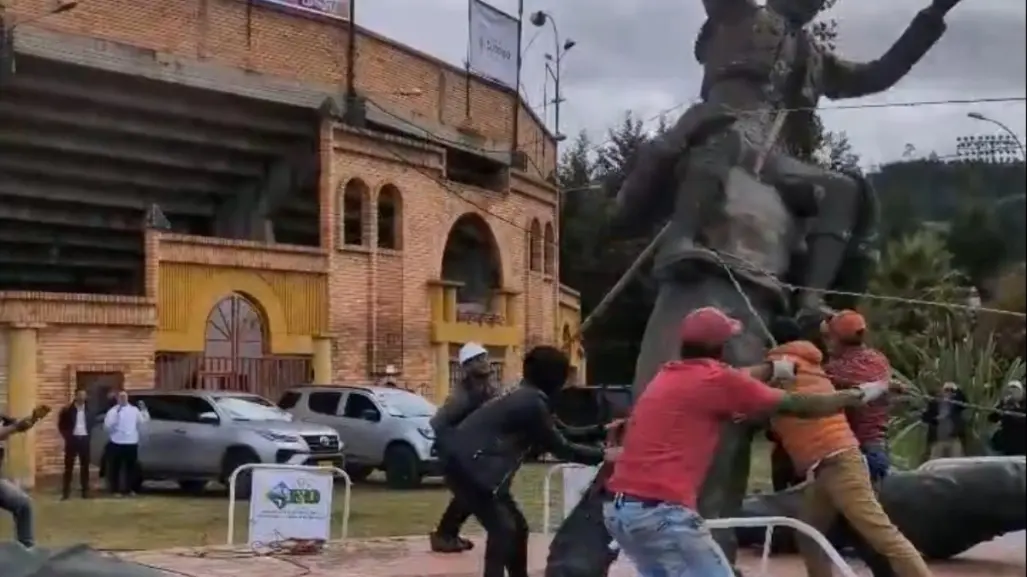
column 493, row 45
column 576, row 481
column 290, row 504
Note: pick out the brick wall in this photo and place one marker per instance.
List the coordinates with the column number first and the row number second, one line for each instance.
column 66, row 349
column 397, row 280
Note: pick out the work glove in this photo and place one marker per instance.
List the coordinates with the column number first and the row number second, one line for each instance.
column 873, row 391
column 782, row 371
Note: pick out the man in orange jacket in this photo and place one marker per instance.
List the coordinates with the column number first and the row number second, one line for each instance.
column 826, row 451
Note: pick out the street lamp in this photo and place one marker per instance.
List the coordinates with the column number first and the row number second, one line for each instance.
column 553, row 64
column 1009, row 131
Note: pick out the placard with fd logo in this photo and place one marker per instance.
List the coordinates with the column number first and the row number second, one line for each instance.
column 290, row 504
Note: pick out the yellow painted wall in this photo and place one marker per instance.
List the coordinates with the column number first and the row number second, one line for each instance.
column 295, row 305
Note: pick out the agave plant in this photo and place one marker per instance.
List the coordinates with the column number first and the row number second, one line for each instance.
column 981, row 374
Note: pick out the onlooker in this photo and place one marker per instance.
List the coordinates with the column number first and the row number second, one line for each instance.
column 475, row 387
column 390, row 378
column 1011, row 436
column 850, row 363
column 122, row 425
column 75, row 424
column 946, row 428
column 671, row 438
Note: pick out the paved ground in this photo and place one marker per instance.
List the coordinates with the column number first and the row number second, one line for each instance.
column 409, row 557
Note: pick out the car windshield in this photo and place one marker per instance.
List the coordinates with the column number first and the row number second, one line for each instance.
column 400, row 403
column 248, row 408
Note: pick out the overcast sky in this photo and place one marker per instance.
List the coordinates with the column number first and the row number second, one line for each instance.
column 637, row 55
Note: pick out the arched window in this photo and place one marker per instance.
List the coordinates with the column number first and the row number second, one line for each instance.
column 549, row 250
column 235, row 329
column 535, row 246
column 389, row 218
column 351, row 213
column 471, row 257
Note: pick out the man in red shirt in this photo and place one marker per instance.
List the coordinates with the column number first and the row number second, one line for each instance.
column 671, row 438
column 851, row 362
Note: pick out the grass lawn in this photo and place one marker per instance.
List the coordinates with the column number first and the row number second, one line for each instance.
column 167, row 519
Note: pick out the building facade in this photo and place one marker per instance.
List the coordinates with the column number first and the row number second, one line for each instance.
column 375, row 235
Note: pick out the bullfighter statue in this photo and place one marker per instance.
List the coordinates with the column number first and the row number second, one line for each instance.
column 744, row 202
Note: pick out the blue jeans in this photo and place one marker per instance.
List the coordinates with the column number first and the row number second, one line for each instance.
column 878, row 461
column 19, row 504
column 664, row 540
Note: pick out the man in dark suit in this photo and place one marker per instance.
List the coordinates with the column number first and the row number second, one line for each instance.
column 75, row 424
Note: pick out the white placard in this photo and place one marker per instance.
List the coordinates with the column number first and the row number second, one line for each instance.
column 576, row 480
column 290, row 504
column 494, row 44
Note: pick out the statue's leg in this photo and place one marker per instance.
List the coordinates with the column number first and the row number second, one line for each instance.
column 829, row 235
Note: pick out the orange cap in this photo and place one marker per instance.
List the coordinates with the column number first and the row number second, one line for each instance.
column 847, row 324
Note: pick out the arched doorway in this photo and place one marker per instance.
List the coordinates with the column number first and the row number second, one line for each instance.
column 236, row 355
column 471, row 257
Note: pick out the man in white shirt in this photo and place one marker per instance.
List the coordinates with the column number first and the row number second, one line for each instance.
column 75, row 424
column 122, row 425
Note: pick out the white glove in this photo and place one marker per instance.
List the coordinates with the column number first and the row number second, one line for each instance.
column 873, row 391
column 782, row 371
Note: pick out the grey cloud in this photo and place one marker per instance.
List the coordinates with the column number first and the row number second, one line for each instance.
column 638, row 56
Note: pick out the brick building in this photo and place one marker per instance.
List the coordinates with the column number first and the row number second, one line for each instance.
column 189, row 199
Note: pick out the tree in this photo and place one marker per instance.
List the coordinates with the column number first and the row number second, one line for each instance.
column 836, row 153
column 977, row 243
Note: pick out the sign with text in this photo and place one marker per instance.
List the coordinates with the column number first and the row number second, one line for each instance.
column 336, row 9
column 494, row 44
column 290, row 504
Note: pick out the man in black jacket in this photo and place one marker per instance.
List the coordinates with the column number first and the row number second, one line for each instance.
column 75, row 424
column 488, row 447
column 946, row 428
column 475, row 388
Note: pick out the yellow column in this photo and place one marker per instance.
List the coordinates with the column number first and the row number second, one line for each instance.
column 20, row 462
column 441, row 389
column 323, row 374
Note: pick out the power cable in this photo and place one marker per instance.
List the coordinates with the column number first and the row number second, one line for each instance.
column 430, row 135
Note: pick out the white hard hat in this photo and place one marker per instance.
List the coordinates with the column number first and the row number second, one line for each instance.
column 470, row 351
column 1015, row 385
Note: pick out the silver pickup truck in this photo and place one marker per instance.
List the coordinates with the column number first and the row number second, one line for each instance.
column 196, row 436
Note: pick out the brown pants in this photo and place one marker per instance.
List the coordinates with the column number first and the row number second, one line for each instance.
column 946, row 449
column 842, row 486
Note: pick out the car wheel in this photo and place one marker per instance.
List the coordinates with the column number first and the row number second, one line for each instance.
column 192, row 486
column 402, row 467
column 234, row 459
column 358, row 473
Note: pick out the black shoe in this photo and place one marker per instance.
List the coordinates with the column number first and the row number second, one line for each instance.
column 445, row 544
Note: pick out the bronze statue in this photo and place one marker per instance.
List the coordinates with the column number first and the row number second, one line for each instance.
column 741, row 199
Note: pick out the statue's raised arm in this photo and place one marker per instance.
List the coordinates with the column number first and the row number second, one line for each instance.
column 846, row 79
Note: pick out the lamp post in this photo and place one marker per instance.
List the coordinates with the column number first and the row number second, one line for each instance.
column 553, row 65
column 1012, row 137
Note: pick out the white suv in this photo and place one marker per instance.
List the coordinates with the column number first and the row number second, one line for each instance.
column 380, row 427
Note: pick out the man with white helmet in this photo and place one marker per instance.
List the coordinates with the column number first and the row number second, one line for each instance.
column 476, row 386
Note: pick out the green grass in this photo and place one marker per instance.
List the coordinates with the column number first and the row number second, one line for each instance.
column 167, row 519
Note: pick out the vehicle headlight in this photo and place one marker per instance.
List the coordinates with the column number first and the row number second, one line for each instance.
column 278, row 437
column 427, row 433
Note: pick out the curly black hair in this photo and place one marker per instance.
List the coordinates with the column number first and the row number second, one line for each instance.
column 546, row 368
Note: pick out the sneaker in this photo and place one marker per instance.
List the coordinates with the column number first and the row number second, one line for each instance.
column 445, row 544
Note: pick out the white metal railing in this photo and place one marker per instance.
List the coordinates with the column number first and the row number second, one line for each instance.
column 325, row 470
column 714, row 524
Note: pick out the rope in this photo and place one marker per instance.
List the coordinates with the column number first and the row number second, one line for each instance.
column 898, row 376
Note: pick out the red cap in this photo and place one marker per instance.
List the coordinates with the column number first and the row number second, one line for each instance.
column 709, row 326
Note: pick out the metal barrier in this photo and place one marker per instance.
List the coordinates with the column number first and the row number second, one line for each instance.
column 250, row 466
column 717, row 524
